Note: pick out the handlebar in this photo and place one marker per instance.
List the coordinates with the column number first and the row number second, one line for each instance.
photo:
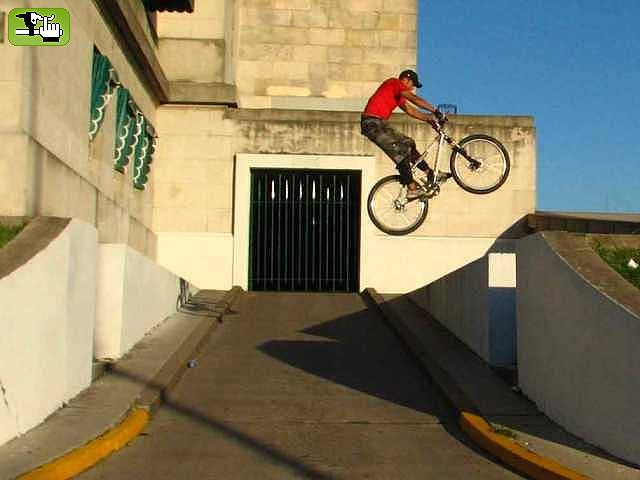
column 438, row 123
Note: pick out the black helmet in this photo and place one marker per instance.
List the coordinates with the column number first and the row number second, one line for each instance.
column 411, row 75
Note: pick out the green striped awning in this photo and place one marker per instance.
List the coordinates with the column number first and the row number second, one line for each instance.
column 104, row 81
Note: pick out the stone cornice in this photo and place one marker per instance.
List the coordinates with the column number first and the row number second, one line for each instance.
column 141, row 53
column 131, row 38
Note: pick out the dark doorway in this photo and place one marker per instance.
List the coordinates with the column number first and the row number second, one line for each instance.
column 304, row 230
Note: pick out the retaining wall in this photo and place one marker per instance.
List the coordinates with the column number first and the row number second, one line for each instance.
column 134, row 295
column 47, row 291
column 477, row 303
column 578, row 336
column 62, row 293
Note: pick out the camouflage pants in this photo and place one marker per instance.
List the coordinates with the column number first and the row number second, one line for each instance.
column 400, row 148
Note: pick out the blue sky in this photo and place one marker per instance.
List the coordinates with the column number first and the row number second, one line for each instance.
column 572, row 64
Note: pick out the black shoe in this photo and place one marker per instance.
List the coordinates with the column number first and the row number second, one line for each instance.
column 443, row 177
column 427, row 178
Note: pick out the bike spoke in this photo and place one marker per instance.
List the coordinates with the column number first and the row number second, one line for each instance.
column 391, row 208
column 492, row 167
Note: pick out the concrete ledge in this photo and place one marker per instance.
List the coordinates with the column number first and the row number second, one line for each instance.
column 85, row 457
column 153, row 394
column 598, row 223
column 579, row 252
column 140, row 380
column 296, row 116
column 512, row 454
column 193, row 93
column 14, row 221
column 469, row 419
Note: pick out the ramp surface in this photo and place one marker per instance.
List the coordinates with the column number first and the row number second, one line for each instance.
column 302, row 386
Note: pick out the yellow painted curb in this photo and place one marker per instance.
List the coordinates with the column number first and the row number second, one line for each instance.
column 88, row 455
column 518, row 457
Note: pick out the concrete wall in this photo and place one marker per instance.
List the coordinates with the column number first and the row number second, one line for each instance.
column 476, row 302
column 197, row 179
column 48, row 306
column 134, row 295
column 578, row 350
column 47, row 165
column 206, row 259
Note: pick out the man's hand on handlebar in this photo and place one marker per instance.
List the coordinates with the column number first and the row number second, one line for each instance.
column 439, row 120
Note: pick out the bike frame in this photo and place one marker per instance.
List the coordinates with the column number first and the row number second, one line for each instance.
column 439, row 140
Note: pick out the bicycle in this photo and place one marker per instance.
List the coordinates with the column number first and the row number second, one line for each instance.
column 476, row 157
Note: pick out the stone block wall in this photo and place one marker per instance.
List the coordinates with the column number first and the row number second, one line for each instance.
column 206, row 22
column 193, row 47
column 194, row 172
column 321, row 48
column 51, row 167
column 196, row 175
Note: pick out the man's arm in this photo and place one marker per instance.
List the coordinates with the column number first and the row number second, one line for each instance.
column 416, row 100
column 415, row 113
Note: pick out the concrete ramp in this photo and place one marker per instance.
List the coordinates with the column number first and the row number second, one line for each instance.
column 302, row 386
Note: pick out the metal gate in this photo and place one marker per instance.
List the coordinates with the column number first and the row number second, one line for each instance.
column 304, row 230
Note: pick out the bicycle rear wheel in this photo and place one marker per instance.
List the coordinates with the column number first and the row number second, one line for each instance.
column 390, row 213
column 484, row 168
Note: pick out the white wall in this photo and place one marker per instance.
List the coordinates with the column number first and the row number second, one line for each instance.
column 578, row 355
column 204, row 259
column 389, row 264
column 476, row 301
column 48, row 306
column 134, row 295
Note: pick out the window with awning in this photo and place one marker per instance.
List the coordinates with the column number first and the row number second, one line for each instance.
column 136, row 140
column 104, row 81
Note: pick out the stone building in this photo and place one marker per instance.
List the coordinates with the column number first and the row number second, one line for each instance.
column 226, row 91
column 221, row 141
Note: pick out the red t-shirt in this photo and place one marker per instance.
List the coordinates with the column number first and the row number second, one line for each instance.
column 386, row 99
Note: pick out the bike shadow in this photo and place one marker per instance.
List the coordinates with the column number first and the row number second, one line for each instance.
column 362, row 353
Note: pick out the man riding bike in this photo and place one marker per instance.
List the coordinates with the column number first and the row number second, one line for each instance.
column 392, row 93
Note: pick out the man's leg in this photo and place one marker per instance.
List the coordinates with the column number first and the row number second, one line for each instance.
column 404, row 152
column 392, row 143
column 415, row 156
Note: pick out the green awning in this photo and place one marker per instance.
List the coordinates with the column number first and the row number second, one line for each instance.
column 136, row 140
column 125, row 125
column 143, row 161
column 104, row 81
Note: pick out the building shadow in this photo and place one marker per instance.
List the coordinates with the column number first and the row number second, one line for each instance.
column 503, row 300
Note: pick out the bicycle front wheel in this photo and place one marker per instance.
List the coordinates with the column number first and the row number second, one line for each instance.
column 481, row 165
column 390, row 212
